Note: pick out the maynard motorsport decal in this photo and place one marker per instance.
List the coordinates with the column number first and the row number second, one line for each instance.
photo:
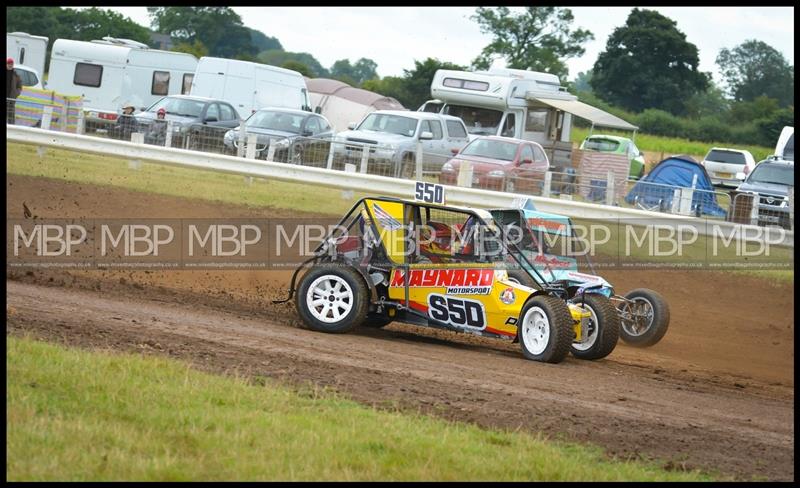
column 456, row 281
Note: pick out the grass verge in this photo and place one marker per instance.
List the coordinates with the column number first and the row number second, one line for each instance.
column 77, row 415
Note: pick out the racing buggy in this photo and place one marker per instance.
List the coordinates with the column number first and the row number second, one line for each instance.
column 549, row 243
column 441, row 266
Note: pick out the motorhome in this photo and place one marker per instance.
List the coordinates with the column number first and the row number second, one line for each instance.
column 516, row 103
column 110, row 72
column 249, row 86
column 27, row 49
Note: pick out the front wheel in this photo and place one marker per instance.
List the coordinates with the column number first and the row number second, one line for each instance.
column 332, row 298
column 603, row 329
column 545, row 329
column 644, row 317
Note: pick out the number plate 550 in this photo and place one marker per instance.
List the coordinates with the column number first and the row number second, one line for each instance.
column 429, row 193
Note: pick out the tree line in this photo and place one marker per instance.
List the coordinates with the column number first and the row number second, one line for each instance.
column 648, row 72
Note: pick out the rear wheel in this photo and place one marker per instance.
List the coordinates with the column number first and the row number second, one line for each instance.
column 644, row 317
column 332, row 298
column 603, row 329
column 521, row 277
column 545, row 329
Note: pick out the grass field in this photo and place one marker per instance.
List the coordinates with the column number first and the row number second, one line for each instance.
column 77, row 415
column 672, row 145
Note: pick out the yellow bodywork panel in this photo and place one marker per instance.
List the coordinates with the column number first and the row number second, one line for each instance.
column 388, row 218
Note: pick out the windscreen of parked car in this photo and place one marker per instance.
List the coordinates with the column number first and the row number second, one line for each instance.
column 602, row 145
column 489, row 148
column 274, row 120
column 778, row 174
column 726, row 157
column 393, row 124
column 179, row 106
column 479, row 121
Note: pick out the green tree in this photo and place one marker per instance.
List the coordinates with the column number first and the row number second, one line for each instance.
column 389, row 86
column 648, row 63
column 753, row 69
column 354, row 74
column 759, row 108
column 220, row 29
column 262, row 42
column 582, row 82
column 197, row 49
column 539, row 39
column 709, row 103
column 299, row 67
column 277, row 57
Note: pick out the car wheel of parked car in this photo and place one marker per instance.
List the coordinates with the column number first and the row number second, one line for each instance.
column 603, row 326
column 332, row 298
column 545, row 329
column 644, row 319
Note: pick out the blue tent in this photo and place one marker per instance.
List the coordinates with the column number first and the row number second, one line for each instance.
column 657, row 188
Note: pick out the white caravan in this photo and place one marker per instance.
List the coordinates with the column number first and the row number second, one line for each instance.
column 27, row 49
column 249, row 86
column 784, row 149
column 515, row 103
column 110, row 72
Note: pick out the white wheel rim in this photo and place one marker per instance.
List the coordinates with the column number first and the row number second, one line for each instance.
column 639, row 305
column 329, row 299
column 593, row 332
column 536, row 330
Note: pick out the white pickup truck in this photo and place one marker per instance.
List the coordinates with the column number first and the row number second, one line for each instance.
column 393, row 135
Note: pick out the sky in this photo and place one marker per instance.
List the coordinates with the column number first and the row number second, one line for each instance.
column 396, row 36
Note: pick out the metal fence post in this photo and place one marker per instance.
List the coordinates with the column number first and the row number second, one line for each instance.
column 754, row 209
column 465, row 175
column 329, row 163
column 240, row 148
column 136, row 138
column 418, row 172
column 168, row 135
column 791, row 208
column 364, row 158
column 610, row 188
column 47, row 117
column 252, row 139
column 548, row 182
column 271, row 153
column 62, row 118
column 81, row 126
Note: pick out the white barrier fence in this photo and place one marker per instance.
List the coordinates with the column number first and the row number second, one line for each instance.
column 379, row 185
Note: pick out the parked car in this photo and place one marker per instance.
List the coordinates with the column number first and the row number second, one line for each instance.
column 395, row 134
column 197, row 121
column 298, row 136
column 771, row 180
column 28, row 76
column 500, row 163
column 617, row 145
column 728, row 167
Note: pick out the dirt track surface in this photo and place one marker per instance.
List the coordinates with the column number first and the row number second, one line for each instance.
column 716, row 393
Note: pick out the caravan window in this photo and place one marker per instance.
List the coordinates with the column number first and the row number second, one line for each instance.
column 160, row 83
column 88, row 74
column 187, row 83
column 465, row 84
column 509, row 129
column 537, row 120
column 22, row 56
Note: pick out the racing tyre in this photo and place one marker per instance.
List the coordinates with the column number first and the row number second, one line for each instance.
column 521, row 277
column 545, row 329
column 332, row 298
column 603, row 326
column 376, row 321
column 644, row 322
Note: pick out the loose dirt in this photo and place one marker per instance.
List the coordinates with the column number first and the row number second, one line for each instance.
column 716, row 393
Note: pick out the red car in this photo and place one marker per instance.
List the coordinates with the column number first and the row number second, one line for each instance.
column 499, row 163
